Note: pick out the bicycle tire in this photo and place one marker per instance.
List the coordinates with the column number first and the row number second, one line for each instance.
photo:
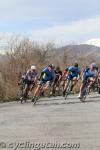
column 68, row 89
column 98, row 90
column 35, row 100
column 84, row 94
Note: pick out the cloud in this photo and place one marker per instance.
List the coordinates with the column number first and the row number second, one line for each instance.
column 55, row 10
column 74, row 32
column 61, row 21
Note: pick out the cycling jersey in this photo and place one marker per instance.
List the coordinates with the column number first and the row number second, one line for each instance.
column 57, row 75
column 30, row 76
column 72, row 72
column 89, row 73
column 48, row 75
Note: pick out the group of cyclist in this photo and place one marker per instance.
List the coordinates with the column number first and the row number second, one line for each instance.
column 52, row 77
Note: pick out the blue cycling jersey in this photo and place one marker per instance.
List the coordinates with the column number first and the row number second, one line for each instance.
column 75, row 71
column 89, row 73
column 48, row 75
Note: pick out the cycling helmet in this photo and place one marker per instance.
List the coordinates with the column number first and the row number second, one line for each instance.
column 94, row 65
column 52, row 66
column 76, row 64
column 33, row 67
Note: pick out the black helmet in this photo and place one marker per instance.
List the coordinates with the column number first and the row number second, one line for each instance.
column 76, row 64
column 52, row 66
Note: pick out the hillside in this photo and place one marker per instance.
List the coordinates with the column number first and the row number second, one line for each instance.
column 75, row 51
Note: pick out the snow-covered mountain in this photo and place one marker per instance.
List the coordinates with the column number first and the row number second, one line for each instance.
column 95, row 42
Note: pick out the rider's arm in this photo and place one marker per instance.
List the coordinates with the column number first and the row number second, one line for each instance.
column 64, row 73
column 70, row 70
column 41, row 75
column 79, row 75
column 60, row 77
column 35, row 79
column 45, row 70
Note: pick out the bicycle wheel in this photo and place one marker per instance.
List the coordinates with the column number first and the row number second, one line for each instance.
column 35, row 100
column 50, row 92
column 84, row 94
column 99, row 90
column 68, row 89
column 20, row 93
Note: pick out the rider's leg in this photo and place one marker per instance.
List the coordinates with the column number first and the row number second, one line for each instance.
column 25, row 92
column 46, row 87
column 84, row 81
column 31, row 87
column 37, row 91
column 92, row 82
column 54, row 88
column 81, row 89
column 74, row 83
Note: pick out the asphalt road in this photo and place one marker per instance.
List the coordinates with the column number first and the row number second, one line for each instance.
column 68, row 124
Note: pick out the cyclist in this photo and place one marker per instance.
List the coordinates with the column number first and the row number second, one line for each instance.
column 21, row 79
column 71, row 73
column 94, row 84
column 98, row 81
column 21, row 83
column 89, row 75
column 46, row 78
column 58, row 76
column 30, row 80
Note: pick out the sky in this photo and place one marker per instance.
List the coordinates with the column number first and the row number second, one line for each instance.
column 60, row 21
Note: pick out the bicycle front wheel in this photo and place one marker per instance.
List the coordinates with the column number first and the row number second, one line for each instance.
column 68, row 89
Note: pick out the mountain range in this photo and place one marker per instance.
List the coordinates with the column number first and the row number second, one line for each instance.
column 78, row 52
column 86, row 49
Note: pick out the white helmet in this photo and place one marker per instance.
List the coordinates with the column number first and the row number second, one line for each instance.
column 33, row 67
